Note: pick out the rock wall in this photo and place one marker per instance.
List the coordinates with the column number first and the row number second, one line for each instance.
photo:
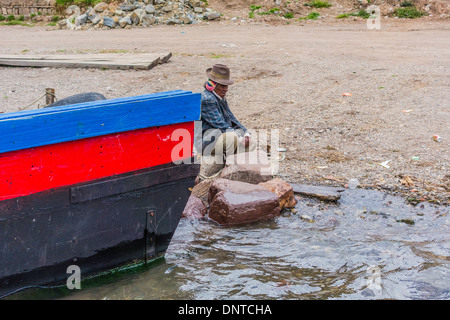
column 27, row 7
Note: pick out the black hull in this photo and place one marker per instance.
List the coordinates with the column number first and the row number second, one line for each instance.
column 96, row 226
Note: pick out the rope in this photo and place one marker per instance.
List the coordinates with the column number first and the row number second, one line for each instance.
column 26, row 107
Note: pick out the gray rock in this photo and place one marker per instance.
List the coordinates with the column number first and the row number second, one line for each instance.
column 211, row 15
column 119, row 13
column 150, row 9
column 73, row 10
column 135, row 19
column 198, row 10
column 62, row 23
column 124, row 21
column 81, row 20
column 320, row 192
column 148, row 20
column 127, row 7
column 166, row 9
column 109, row 22
column 187, row 19
column 172, row 22
column 96, row 19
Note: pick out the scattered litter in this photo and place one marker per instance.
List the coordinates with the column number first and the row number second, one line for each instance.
column 407, row 181
column 437, row 138
column 228, row 45
column 406, row 111
column 384, row 164
column 346, row 94
column 415, row 158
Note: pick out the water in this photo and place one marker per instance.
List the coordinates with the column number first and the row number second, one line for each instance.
column 370, row 245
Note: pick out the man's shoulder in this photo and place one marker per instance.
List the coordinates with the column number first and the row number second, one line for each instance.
column 208, row 97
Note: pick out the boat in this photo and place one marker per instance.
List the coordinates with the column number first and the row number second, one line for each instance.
column 96, row 185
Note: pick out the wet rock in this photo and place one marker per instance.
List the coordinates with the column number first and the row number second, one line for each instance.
column 195, row 208
column 283, row 190
column 235, row 202
column 320, row 192
column 251, row 167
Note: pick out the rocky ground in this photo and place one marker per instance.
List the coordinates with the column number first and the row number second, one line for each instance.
column 291, row 79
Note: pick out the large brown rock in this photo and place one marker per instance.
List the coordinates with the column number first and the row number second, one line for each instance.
column 235, row 202
column 194, row 209
column 251, row 167
column 283, row 190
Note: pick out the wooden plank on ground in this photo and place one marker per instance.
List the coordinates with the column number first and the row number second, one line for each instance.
column 100, row 61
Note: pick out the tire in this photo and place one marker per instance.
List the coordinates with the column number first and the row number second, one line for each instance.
column 78, row 98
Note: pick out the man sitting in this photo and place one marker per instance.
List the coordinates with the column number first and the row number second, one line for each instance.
column 222, row 133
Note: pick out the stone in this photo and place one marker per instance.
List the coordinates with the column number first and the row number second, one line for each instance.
column 100, row 7
column 198, row 10
column 252, row 167
column 108, row 22
column 211, row 15
column 150, row 9
column 135, row 19
column 166, row 9
column 124, row 21
column 187, row 19
column 127, row 7
column 235, row 203
column 321, row 192
column 62, row 23
column 148, row 20
column 96, row 19
column 73, row 10
column 283, row 190
column 195, row 208
column 81, row 20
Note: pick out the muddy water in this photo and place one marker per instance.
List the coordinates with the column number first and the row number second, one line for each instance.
column 368, row 246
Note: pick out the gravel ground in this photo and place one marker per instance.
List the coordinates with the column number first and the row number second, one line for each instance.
column 289, row 78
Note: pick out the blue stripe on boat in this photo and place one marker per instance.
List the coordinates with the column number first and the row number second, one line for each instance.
column 21, row 130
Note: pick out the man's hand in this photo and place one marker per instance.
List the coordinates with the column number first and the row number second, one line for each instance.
column 245, row 141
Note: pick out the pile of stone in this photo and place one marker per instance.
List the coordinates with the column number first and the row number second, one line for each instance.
column 132, row 13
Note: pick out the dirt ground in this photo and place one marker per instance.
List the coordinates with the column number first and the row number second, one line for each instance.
column 290, row 78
